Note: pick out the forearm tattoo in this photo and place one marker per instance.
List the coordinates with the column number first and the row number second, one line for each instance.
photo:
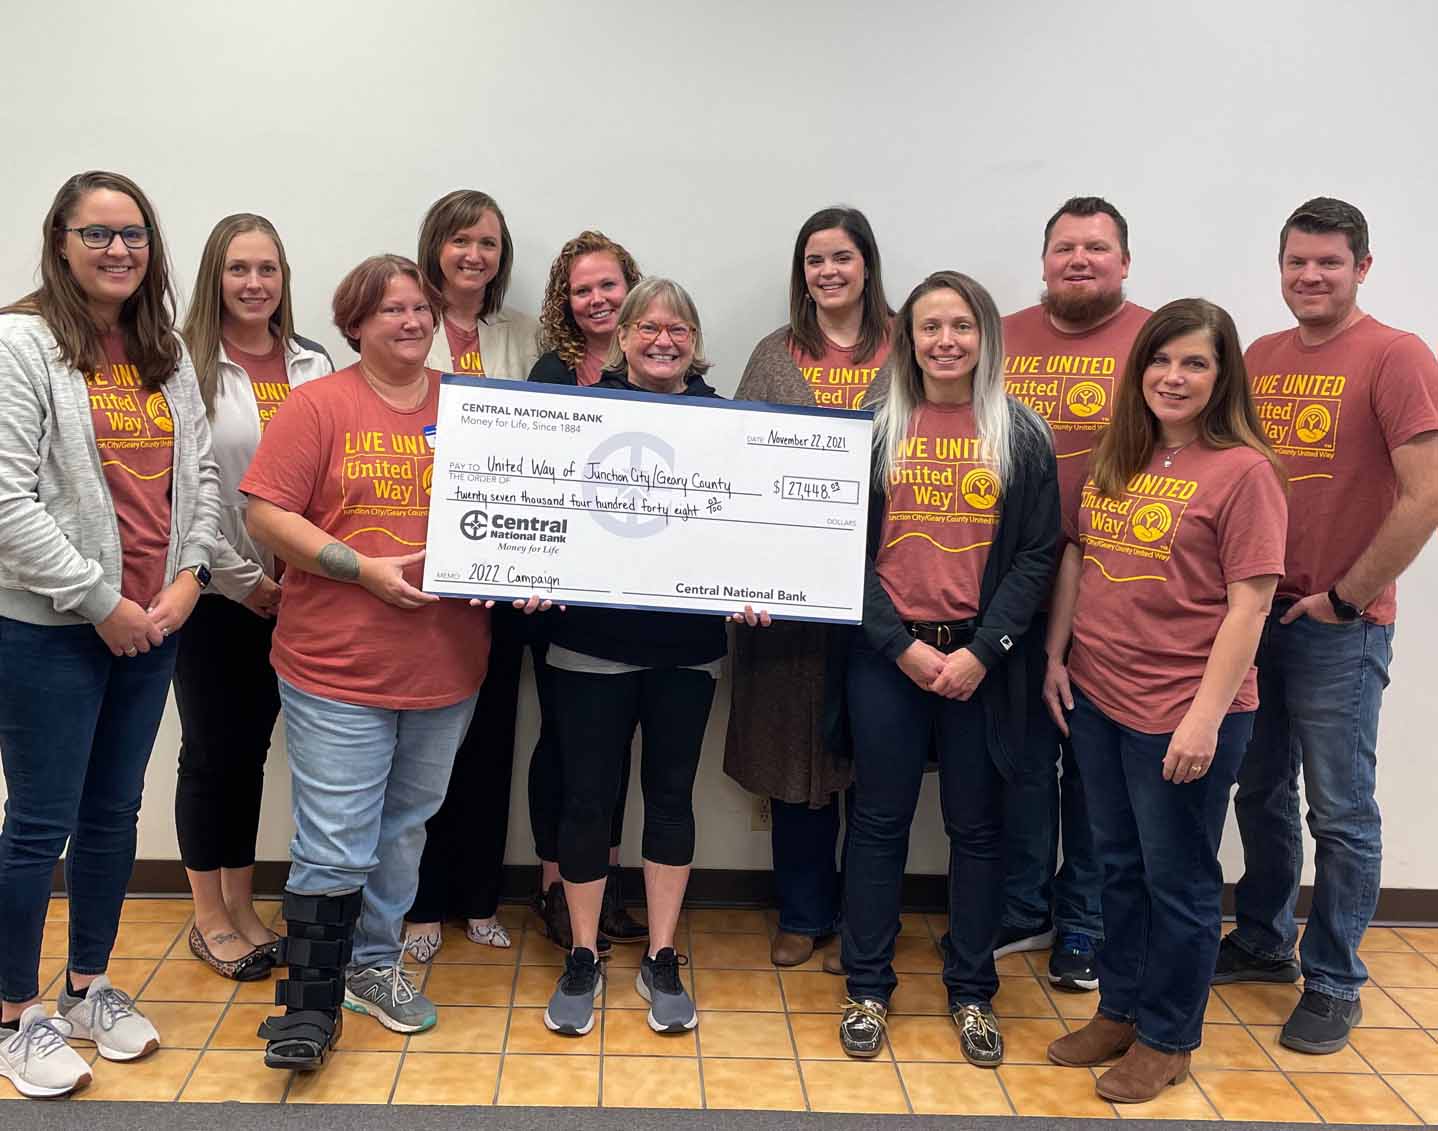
column 338, row 561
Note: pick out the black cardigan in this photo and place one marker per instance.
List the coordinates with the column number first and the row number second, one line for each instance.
column 551, row 370
column 651, row 640
column 1016, row 580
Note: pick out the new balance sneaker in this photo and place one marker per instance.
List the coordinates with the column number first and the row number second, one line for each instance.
column 979, row 1035
column 108, row 1018
column 571, row 1006
column 1320, row 1023
column 1013, row 940
column 1236, row 965
column 1071, row 965
column 387, row 994
column 861, row 1029
column 35, row 1058
column 671, row 1009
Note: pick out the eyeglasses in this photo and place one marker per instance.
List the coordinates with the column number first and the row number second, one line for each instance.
column 678, row 331
column 99, row 237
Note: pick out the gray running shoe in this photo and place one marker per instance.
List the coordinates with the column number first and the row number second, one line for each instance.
column 571, row 1006
column 671, row 1009
column 387, row 995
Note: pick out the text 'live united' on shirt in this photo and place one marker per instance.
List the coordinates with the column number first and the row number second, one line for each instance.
column 1334, row 413
column 942, row 512
column 1070, row 380
column 361, row 471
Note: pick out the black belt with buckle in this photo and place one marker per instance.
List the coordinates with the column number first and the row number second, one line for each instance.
column 946, row 636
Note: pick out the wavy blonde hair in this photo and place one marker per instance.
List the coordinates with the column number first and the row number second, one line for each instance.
column 557, row 329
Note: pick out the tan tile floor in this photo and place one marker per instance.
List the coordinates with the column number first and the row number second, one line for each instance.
column 766, row 1039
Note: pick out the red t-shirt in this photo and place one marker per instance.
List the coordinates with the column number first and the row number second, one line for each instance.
column 1334, row 413
column 464, row 349
column 136, row 438
column 1069, row 380
column 836, row 381
column 1156, row 565
column 940, row 520
column 361, row 471
column 269, row 379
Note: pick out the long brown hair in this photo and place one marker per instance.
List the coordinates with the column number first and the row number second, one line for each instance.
column 557, row 329
column 876, row 315
column 1229, row 420
column 452, row 212
column 207, row 306
column 147, row 317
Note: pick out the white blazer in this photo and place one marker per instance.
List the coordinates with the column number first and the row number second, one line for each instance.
column 508, row 346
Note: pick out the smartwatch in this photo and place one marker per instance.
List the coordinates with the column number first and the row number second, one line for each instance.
column 1341, row 608
column 202, row 575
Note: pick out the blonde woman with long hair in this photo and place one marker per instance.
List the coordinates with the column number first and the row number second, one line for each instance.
column 241, row 334
column 963, row 520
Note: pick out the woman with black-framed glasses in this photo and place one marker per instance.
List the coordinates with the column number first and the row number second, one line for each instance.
column 108, row 520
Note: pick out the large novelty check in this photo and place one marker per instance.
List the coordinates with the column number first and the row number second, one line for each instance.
column 645, row 501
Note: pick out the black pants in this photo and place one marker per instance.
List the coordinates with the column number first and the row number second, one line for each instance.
column 228, row 700
column 597, row 715
column 546, row 770
column 896, row 724
column 463, row 861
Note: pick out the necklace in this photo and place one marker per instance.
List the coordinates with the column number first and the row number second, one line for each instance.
column 381, row 388
column 1169, row 455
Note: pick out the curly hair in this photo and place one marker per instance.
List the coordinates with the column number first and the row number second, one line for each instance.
column 557, row 329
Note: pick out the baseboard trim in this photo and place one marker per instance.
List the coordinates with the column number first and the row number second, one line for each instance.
column 730, row 887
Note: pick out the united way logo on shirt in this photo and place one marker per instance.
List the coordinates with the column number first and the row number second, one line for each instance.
column 1140, row 523
column 1300, row 412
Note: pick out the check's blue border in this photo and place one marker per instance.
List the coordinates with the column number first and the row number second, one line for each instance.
column 591, row 391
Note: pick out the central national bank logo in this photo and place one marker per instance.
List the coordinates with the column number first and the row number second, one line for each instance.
column 478, row 525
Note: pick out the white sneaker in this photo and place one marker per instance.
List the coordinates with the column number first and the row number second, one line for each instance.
column 108, row 1017
column 38, row 1061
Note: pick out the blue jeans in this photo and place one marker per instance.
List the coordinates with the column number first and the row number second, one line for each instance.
column 76, row 729
column 1162, row 883
column 895, row 724
column 365, row 780
column 1039, row 809
column 1319, row 687
column 808, row 886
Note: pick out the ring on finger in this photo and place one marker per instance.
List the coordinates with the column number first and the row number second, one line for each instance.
column 132, row 652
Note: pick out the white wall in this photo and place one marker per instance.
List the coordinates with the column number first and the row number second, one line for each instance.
column 702, row 135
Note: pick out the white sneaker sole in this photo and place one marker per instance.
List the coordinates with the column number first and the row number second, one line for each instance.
column 110, row 1052
column 1040, row 941
column 643, row 992
column 38, row 1091
column 569, row 1030
column 359, row 1005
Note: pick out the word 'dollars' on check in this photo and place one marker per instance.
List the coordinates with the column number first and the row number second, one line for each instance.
column 646, row 501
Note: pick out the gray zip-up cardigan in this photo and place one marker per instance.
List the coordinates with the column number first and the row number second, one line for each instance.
column 60, row 557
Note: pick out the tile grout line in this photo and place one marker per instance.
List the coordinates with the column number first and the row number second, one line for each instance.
column 1383, row 1077
column 509, row 1010
column 687, row 927
column 794, row 1044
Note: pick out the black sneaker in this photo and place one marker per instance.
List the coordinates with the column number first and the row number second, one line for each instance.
column 554, row 921
column 979, row 1036
column 1236, row 965
column 671, row 1009
column 615, row 923
column 1319, row 1023
column 1071, row 965
column 861, row 1030
column 1013, row 940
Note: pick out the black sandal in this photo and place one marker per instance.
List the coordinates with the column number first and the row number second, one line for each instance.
column 251, row 967
column 301, row 1041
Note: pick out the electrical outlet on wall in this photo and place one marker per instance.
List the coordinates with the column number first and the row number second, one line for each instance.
column 762, row 818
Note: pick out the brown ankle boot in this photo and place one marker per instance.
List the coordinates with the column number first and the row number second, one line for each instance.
column 789, row 949
column 1100, row 1040
column 1142, row 1074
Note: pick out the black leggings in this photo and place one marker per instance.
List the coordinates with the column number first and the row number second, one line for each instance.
column 228, row 700
column 546, row 770
column 463, row 861
column 597, row 715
